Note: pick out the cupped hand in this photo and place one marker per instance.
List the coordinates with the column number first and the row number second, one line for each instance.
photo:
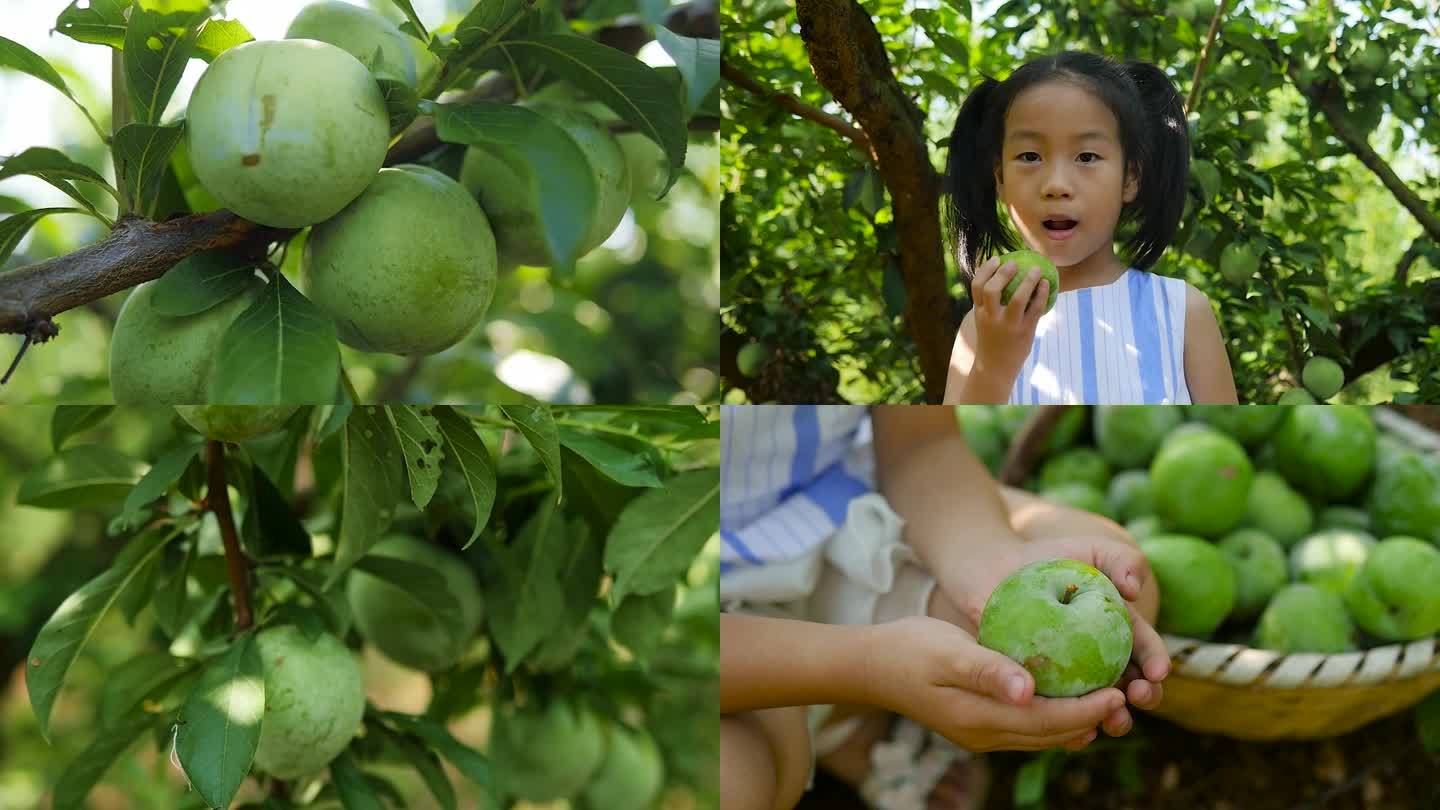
column 1127, row 567
column 937, row 674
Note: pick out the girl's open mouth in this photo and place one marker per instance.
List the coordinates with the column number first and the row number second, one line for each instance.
column 1060, row 229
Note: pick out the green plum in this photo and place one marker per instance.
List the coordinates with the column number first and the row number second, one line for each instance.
column 408, row 268
column 1196, row 581
column 235, row 423
column 505, row 191
column 159, row 360
column 1304, row 618
column 401, row 627
column 1394, row 596
column 286, row 132
column 314, row 701
column 1063, row 621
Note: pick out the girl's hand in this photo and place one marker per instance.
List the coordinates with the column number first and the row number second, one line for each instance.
column 1004, row 332
column 935, row 673
column 1126, row 566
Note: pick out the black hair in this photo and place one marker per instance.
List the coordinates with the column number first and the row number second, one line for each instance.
column 1153, row 138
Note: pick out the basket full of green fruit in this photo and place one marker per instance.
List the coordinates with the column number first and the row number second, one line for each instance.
column 1296, row 549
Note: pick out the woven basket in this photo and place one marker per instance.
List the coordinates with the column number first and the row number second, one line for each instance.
column 1252, row 694
column 1255, row 694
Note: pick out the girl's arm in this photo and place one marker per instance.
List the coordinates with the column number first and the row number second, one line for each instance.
column 766, row 662
column 967, row 384
column 1207, row 366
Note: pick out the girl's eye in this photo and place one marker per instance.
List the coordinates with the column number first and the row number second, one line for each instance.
column 1023, row 155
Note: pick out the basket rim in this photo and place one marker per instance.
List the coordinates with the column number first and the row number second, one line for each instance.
column 1242, row 665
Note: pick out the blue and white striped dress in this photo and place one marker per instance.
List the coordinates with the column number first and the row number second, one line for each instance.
column 787, row 476
column 1123, row 343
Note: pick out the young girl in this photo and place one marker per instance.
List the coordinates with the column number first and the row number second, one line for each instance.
column 1077, row 144
column 853, row 575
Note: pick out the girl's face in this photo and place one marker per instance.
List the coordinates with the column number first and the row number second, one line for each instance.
column 1061, row 160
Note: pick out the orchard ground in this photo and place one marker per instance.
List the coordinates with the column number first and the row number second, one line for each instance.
column 1160, row 765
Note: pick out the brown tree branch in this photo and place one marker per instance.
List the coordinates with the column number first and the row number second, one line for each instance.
column 1204, row 59
column 1326, row 97
column 217, row 500
column 137, row 250
column 1029, row 444
column 794, row 105
column 849, row 59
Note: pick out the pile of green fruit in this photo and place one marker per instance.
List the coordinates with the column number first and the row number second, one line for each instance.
column 1296, row 529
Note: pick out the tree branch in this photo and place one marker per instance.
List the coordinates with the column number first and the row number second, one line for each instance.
column 217, row 500
column 786, row 101
column 1204, row 59
column 848, row 57
column 137, row 250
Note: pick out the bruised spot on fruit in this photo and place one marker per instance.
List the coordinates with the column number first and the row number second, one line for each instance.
column 1038, row 663
column 34, row 662
column 250, row 160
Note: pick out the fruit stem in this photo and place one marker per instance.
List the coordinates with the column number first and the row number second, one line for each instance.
column 1070, row 591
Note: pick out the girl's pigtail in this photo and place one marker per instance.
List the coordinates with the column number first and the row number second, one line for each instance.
column 1165, row 164
column 968, row 187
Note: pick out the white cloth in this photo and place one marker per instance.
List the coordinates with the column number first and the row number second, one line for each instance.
column 787, row 476
column 1123, row 343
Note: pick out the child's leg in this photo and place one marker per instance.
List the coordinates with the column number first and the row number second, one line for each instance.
column 765, row 759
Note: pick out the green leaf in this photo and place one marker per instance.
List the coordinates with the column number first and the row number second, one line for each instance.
column 55, row 168
column 160, row 477
column 658, row 535
column 201, row 281
column 538, row 427
column 422, row 582
column 469, row 762
column 698, row 60
column 330, row 603
column 1030, row 779
column 469, row 453
column 635, row 91
column 627, row 460
column 70, row 627
column 420, row 441
column 142, row 154
column 354, row 788
column 220, row 723
column 99, row 22
column 402, row 102
column 542, row 154
column 640, row 621
column 157, row 46
column 371, row 485
column 68, row 420
column 485, row 22
column 89, row 766
column 580, row 573
column 1427, row 722
column 131, row 687
column 219, row 36
column 15, row 56
column 528, row 602
column 85, row 475
column 271, row 526
column 14, row 227
column 171, row 596
column 427, row 764
column 409, row 11
column 282, row 350
column 594, row 494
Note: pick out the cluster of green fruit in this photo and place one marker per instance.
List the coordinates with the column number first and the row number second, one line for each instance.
column 1262, row 524
column 315, row 697
column 293, row 133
